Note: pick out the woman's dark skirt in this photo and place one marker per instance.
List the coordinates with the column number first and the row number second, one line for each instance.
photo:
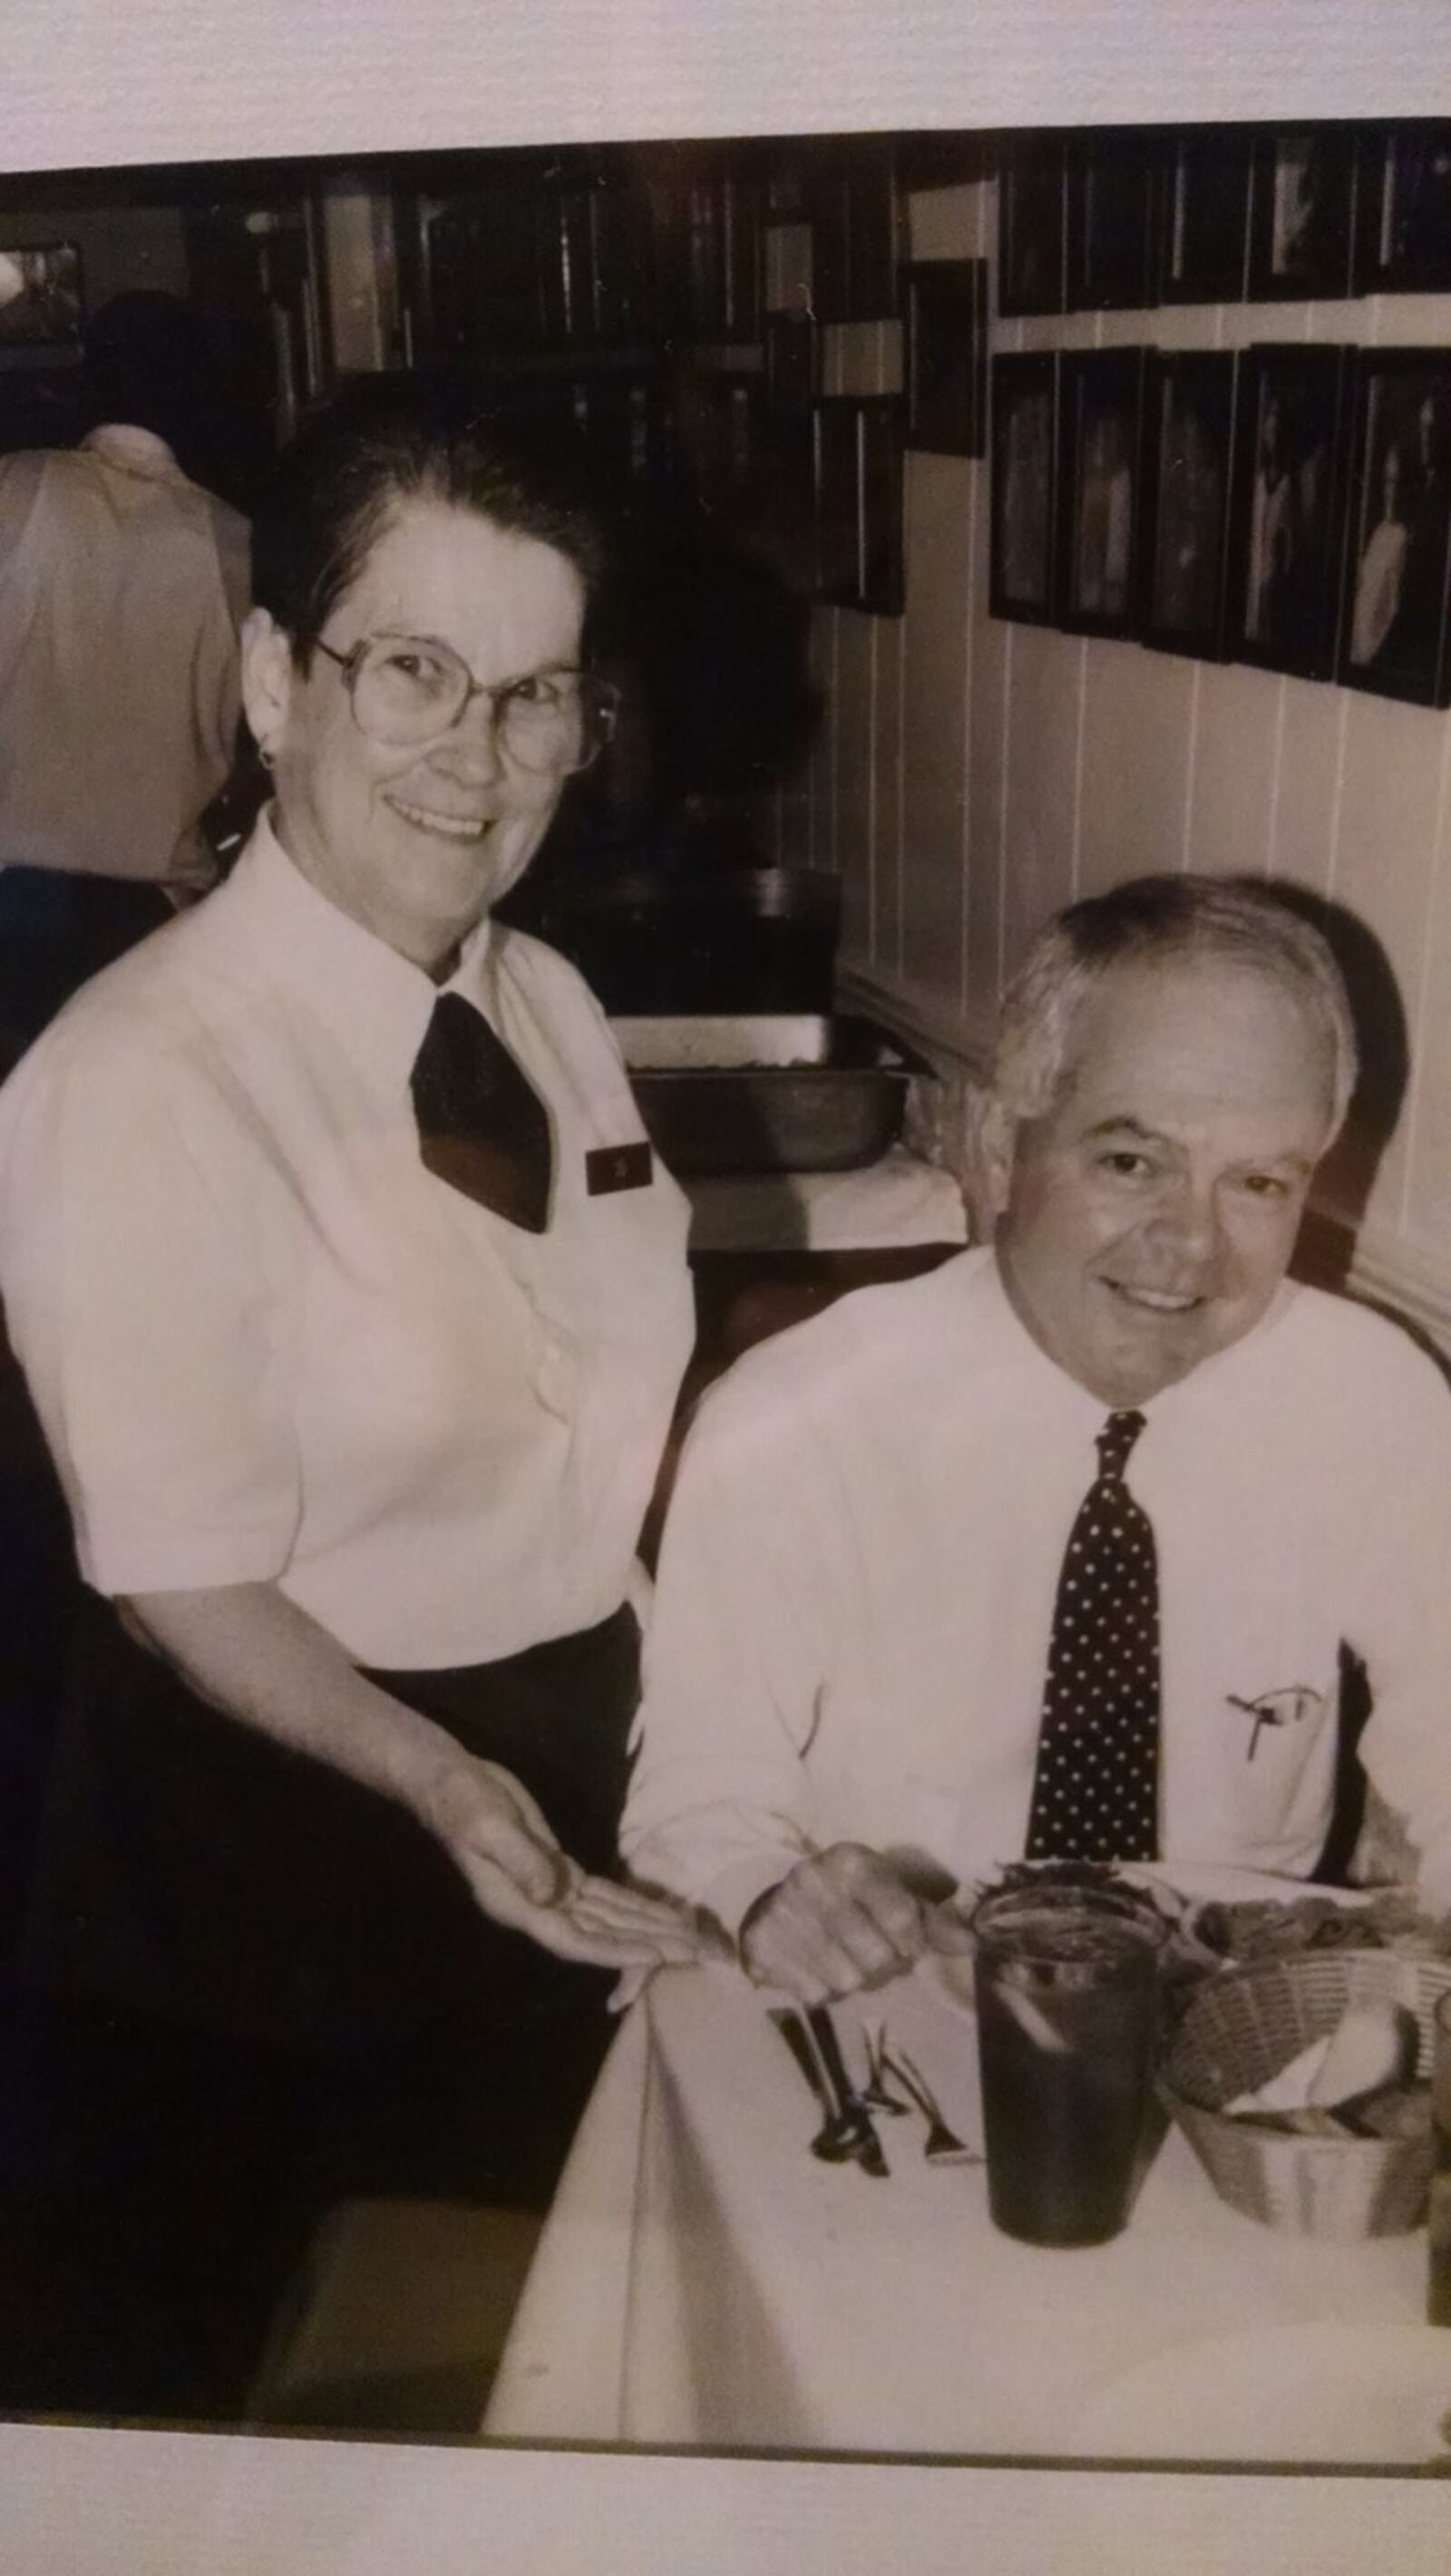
column 257, row 1990
column 192, row 1868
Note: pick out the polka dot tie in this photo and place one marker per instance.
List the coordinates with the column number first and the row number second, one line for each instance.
column 1096, row 1788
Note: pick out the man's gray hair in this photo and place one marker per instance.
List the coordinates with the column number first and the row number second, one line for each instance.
column 1163, row 920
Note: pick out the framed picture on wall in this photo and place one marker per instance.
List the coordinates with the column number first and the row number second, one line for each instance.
column 1287, row 523
column 1204, row 216
column 1112, row 191
column 1189, row 409
column 792, row 346
column 944, row 365
column 1393, row 636
column 1031, row 187
column 1301, row 201
column 856, row 219
column 1100, row 448
column 1403, row 210
column 627, row 422
column 1024, row 478
column 857, row 478
column 719, row 422
column 40, row 295
column 784, row 528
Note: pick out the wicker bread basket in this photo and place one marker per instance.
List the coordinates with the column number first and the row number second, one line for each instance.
column 1244, row 2026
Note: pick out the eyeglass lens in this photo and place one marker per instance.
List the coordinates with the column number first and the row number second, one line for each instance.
column 406, row 690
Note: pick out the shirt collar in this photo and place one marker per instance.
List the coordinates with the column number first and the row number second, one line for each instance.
column 133, row 451
column 375, row 1003
column 1061, row 1396
column 1053, row 1396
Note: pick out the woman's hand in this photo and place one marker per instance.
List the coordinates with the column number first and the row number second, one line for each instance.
column 252, row 1652
column 495, row 1834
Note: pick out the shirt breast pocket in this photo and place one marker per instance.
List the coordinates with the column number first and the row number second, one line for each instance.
column 1280, row 1737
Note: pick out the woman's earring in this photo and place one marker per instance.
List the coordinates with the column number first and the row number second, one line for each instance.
column 266, row 755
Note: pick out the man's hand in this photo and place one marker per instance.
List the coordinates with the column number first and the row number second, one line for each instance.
column 841, row 1920
column 495, row 1834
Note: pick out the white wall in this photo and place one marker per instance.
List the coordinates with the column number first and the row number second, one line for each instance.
column 972, row 775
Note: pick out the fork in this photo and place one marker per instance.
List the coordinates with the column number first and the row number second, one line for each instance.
column 876, row 2090
column 943, row 2146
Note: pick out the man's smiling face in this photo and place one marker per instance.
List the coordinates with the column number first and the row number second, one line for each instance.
column 1148, row 1218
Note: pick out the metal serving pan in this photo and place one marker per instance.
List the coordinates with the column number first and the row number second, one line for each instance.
column 766, row 1092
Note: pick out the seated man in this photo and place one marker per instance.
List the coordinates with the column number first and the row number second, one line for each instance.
column 1053, row 1553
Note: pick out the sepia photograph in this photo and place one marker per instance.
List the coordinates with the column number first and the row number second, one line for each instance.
column 1204, row 217
column 1301, row 210
column 727, row 1461
column 1032, row 227
column 851, row 201
column 1394, row 636
column 1187, row 451
column 1113, row 198
column 1403, row 211
column 1288, row 525
column 792, row 362
column 1100, row 437
column 1024, row 486
column 40, row 295
column 944, row 363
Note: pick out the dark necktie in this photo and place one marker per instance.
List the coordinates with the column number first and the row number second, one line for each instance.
column 482, row 1126
column 1096, row 1788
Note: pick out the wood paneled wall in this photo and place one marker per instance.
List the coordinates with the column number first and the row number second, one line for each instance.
column 971, row 775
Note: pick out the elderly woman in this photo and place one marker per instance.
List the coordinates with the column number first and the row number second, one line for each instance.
column 353, row 1306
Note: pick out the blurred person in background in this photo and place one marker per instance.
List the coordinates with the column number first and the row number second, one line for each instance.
column 123, row 585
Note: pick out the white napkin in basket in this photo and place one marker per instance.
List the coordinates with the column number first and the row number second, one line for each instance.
column 1372, row 2045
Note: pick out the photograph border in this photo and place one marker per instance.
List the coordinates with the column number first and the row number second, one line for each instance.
column 855, row 216
column 1377, row 269
column 39, row 347
column 1119, row 376
column 1217, row 371
column 1333, row 363
column 1127, row 281
column 1213, row 283
column 1372, row 364
column 942, row 298
column 1330, row 277
column 1030, row 369
column 1045, row 159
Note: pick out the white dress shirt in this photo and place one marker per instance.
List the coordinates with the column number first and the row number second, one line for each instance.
column 122, row 588
column 852, row 1614
column 266, row 1344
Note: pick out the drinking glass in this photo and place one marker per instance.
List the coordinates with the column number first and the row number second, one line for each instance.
column 1067, row 2015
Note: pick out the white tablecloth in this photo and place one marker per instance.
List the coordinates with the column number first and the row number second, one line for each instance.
column 896, row 1200
column 704, row 2279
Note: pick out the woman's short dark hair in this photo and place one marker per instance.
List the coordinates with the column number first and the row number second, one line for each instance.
column 336, row 487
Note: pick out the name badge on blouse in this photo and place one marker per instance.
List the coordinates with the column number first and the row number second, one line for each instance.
column 618, row 1167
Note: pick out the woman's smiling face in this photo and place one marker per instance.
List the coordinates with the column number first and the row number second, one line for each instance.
column 417, row 843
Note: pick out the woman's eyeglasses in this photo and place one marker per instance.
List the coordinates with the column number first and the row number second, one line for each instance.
column 408, row 690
